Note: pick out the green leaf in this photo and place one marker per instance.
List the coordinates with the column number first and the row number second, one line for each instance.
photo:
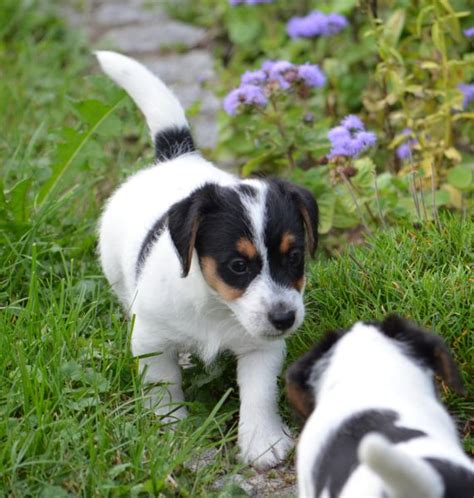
column 244, row 26
column 364, row 179
column 326, row 203
column 69, row 152
column 19, row 201
column 394, row 27
column 90, row 110
column 460, row 176
column 437, row 37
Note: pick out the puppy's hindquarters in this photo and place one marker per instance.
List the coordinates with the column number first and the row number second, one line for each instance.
column 164, row 114
column 403, row 475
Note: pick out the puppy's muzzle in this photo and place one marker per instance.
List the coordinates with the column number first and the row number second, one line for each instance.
column 282, row 319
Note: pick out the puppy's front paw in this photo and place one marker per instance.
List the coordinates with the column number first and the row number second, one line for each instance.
column 265, row 447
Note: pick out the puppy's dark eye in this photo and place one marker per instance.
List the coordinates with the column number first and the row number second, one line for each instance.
column 295, row 257
column 239, row 266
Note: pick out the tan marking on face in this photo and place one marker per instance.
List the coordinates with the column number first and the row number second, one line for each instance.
column 246, row 247
column 299, row 284
column 301, row 399
column 287, row 240
column 209, row 270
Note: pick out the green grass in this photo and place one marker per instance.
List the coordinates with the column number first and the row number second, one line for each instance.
column 71, row 416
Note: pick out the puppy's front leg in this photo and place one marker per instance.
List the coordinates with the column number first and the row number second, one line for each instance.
column 263, row 438
column 160, row 368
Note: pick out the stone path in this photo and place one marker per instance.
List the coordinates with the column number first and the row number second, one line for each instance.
column 177, row 53
column 174, row 50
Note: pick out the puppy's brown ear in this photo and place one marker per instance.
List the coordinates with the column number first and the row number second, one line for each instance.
column 302, row 375
column 425, row 347
column 298, row 390
column 308, row 208
column 184, row 219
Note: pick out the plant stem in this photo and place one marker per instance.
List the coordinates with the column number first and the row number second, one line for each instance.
column 354, row 198
column 377, row 198
column 284, row 136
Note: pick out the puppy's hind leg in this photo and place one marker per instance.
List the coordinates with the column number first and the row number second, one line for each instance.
column 158, row 363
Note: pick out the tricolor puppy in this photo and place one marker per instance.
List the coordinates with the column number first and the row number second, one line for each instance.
column 206, row 262
column 376, row 428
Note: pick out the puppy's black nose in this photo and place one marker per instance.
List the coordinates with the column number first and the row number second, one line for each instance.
column 282, row 320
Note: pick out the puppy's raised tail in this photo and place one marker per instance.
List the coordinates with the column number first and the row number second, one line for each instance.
column 163, row 113
column 404, row 476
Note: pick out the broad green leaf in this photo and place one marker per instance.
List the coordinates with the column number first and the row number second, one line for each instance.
column 244, row 26
column 326, row 203
column 394, row 27
column 364, row 179
column 90, row 110
column 421, row 18
column 460, row 176
column 70, row 151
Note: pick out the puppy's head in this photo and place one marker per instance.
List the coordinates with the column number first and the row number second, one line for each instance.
column 251, row 241
column 425, row 349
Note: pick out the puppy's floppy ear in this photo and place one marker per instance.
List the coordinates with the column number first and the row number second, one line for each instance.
column 184, row 218
column 425, row 347
column 301, row 375
column 308, row 208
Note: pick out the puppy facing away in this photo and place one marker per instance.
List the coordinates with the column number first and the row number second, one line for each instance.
column 375, row 427
column 206, row 262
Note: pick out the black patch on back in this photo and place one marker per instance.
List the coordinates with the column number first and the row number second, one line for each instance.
column 282, row 215
column 338, row 458
column 173, row 142
column 458, row 481
column 301, row 371
column 151, row 237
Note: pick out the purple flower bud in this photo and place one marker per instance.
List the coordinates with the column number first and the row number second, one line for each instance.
column 248, row 2
column 366, row 139
column 311, row 75
column 315, row 24
column 281, row 72
column 468, row 92
column 404, row 150
column 350, row 138
column 253, row 77
column 335, row 23
column 244, row 95
column 352, row 122
column 469, row 32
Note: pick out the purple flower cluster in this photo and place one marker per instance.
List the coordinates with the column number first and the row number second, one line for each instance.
column 315, row 24
column 469, row 32
column 245, row 94
column 248, row 2
column 404, row 150
column 468, row 91
column 350, row 138
column 255, row 86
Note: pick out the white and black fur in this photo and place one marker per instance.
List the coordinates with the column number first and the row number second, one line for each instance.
column 206, row 262
column 375, row 427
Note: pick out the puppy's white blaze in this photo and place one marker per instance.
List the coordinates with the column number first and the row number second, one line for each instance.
column 403, row 475
column 255, row 208
column 158, row 104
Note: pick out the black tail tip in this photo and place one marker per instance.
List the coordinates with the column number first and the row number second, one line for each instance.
column 173, row 142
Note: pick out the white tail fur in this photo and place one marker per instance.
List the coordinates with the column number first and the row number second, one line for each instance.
column 155, row 100
column 404, row 475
